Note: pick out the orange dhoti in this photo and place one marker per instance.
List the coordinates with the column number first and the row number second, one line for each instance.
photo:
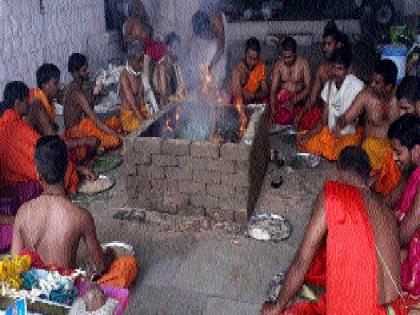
column 381, row 159
column 329, row 146
column 122, row 272
column 349, row 289
column 87, row 128
column 129, row 121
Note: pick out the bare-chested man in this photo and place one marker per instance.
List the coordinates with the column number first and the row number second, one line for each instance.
column 51, row 225
column 42, row 115
column 333, row 39
column 133, row 111
column 79, row 117
column 366, row 277
column 381, row 109
column 249, row 83
column 168, row 79
column 291, row 84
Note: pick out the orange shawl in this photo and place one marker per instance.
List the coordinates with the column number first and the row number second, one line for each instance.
column 17, row 150
column 255, row 77
column 40, row 96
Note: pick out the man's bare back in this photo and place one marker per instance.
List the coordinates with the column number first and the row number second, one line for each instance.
column 132, row 87
column 387, row 242
column 53, row 227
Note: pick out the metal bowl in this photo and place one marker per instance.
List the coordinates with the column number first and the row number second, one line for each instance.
column 121, row 248
column 269, row 226
column 303, row 160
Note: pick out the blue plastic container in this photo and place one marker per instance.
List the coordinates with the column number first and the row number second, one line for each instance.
column 398, row 54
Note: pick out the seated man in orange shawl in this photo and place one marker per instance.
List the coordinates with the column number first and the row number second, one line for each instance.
column 55, row 231
column 338, row 95
column 80, row 119
column 404, row 134
column 249, row 83
column 333, row 39
column 42, row 115
column 362, row 275
column 379, row 104
column 291, row 84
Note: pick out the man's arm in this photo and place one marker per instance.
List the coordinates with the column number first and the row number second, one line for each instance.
column 126, row 90
column 262, row 90
column 354, row 111
column 316, row 89
column 216, row 24
column 235, row 85
column 93, row 248
column 45, row 126
column 81, row 99
column 306, row 81
column 314, row 235
column 411, row 222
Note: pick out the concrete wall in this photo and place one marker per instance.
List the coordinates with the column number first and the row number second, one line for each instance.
column 31, row 37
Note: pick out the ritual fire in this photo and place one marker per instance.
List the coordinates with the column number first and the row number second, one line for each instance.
column 195, row 159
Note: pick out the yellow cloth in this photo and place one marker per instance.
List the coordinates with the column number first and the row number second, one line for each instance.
column 87, row 128
column 381, row 158
column 329, row 146
column 129, row 120
column 122, row 272
column 39, row 95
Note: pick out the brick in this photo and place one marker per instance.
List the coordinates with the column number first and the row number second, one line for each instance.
column 130, row 181
column 240, row 216
column 140, row 202
column 193, row 211
column 164, row 160
column 165, row 185
column 140, row 158
column 206, row 177
column 220, row 191
column 223, row 166
column 243, row 166
column 177, row 173
column 143, row 171
column 176, row 146
column 148, row 144
column 130, row 168
column 235, row 180
column 192, row 187
column 233, row 203
column 204, row 201
column 173, row 203
column 193, row 163
column 143, row 184
column 131, row 192
column 235, row 151
column 241, row 192
column 128, row 145
column 205, row 149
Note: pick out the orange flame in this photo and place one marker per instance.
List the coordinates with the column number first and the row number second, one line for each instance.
column 207, row 81
column 241, row 110
column 168, row 127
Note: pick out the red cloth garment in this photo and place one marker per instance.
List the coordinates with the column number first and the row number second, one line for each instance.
column 156, row 50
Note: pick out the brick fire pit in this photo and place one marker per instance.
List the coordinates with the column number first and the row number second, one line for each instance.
column 197, row 177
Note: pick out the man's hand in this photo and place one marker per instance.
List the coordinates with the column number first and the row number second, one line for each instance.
column 270, row 308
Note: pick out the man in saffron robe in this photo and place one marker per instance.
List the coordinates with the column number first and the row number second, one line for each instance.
column 18, row 178
column 311, row 114
column 249, row 83
column 79, row 117
column 42, row 116
column 291, row 84
column 133, row 111
column 55, row 231
column 338, row 95
column 404, row 134
column 379, row 104
column 362, row 253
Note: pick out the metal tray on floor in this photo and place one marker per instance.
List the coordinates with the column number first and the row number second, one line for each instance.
column 269, row 227
column 303, row 160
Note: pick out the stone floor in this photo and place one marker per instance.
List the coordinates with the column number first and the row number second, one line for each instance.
column 212, row 271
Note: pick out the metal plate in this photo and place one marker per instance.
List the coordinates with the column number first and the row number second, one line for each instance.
column 288, row 135
column 120, row 247
column 303, row 160
column 269, row 226
column 101, row 184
